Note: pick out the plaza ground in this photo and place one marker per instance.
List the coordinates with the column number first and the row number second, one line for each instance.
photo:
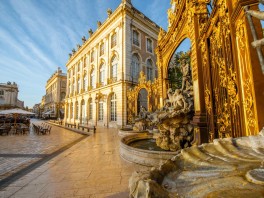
column 64, row 164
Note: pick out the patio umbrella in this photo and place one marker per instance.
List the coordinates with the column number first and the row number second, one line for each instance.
column 15, row 112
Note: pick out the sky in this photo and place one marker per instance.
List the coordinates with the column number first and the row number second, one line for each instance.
column 36, row 36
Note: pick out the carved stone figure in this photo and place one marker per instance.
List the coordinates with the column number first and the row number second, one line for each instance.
column 185, row 68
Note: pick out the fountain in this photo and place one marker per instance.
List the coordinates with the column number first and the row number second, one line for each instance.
column 158, row 136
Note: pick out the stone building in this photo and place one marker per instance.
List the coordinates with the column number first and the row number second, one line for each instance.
column 107, row 64
column 55, row 95
column 9, row 96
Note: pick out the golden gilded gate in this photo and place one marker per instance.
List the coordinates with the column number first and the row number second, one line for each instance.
column 227, row 78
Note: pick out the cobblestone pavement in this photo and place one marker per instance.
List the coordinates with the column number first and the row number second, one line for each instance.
column 20, row 153
column 91, row 167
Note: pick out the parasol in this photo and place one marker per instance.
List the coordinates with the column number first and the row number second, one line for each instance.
column 15, row 112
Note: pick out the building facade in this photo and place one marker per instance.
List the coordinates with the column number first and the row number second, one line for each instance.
column 55, row 95
column 108, row 63
column 9, row 96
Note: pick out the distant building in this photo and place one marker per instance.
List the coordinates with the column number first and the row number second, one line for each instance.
column 37, row 110
column 107, row 64
column 55, row 95
column 9, row 96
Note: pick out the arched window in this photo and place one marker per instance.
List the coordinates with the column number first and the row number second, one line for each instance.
column 113, row 107
column 92, row 79
column 135, row 67
column 114, row 68
column 85, row 84
column 102, row 74
column 101, row 110
column 90, row 109
column 149, row 70
column 76, row 110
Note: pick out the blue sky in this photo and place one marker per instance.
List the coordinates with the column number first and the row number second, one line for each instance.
column 36, row 36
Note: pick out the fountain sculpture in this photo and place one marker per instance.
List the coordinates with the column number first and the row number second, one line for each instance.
column 173, row 120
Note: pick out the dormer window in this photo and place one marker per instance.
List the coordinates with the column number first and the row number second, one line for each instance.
column 149, row 45
column 135, row 38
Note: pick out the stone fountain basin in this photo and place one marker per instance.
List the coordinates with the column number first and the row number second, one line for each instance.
column 231, row 167
column 123, row 132
column 143, row 156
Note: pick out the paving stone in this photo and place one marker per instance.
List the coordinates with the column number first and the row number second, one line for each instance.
column 90, row 168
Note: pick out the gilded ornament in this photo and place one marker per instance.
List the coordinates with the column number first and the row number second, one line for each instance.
column 207, row 98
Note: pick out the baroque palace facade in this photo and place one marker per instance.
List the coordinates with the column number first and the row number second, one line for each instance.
column 107, row 65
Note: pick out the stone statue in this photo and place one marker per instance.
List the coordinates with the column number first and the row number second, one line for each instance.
column 109, row 12
column 90, row 32
column 185, row 68
column 83, row 39
column 99, row 23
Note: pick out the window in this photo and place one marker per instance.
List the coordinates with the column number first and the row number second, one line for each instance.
column 2, row 92
column 62, row 96
column 135, row 38
column 101, row 74
column 101, row 110
column 71, row 110
column 83, row 115
column 90, row 110
column 79, row 66
column 85, row 82
column 149, row 70
column 76, row 110
column 69, row 90
column 135, row 67
column 149, row 45
column 113, row 40
column 114, row 68
column 78, row 85
column 73, row 86
column 85, row 62
column 92, row 56
column 113, row 107
column 92, row 78
column 102, row 49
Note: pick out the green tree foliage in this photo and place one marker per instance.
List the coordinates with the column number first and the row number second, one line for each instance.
column 174, row 69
